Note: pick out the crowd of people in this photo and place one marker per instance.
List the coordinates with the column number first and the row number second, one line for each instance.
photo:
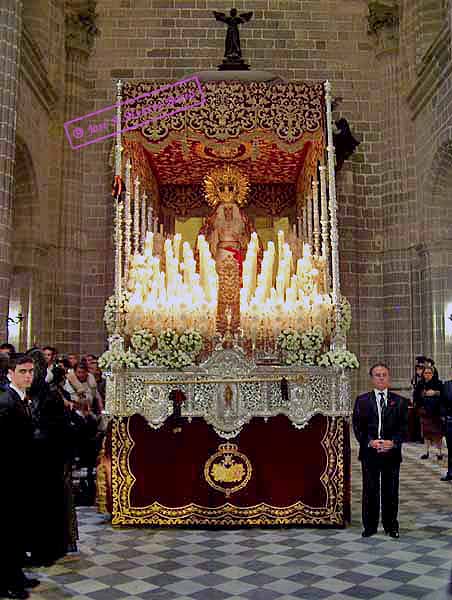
column 51, row 421
column 432, row 401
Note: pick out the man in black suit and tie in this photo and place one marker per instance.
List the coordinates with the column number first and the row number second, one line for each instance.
column 446, row 416
column 380, row 423
column 16, row 436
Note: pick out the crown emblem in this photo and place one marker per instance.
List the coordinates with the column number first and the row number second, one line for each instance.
column 228, row 470
column 227, row 448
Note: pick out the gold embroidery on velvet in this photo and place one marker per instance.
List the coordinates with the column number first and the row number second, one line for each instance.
column 287, row 113
column 332, row 513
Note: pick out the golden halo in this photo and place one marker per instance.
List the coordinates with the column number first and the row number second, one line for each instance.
column 217, row 178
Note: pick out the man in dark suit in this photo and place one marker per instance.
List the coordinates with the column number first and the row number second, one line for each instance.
column 380, row 423
column 16, row 436
column 446, row 417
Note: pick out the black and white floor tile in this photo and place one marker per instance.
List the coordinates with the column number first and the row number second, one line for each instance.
column 270, row 564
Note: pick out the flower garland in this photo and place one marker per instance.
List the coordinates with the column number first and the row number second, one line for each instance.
column 110, row 310
column 345, row 316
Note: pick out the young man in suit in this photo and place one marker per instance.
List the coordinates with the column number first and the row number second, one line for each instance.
column 16, row 437
column 380, row 423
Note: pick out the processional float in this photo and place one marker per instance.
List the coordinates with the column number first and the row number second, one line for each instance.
column 228, row 339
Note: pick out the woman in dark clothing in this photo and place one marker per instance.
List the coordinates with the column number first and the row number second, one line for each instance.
column 416, row 429
column 70, row 528
column 427, row 397
column 48, row 459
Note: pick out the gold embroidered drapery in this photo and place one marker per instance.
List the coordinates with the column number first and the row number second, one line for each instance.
column 273, row 131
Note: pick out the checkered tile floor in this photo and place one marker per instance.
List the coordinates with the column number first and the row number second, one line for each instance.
column 283, row 564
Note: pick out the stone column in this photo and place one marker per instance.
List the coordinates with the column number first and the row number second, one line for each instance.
column 10, row 34
column 79, row 42
column 395, row 244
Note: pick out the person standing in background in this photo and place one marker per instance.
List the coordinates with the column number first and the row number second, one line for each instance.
column 418, row 371
column 415, row 380
column 69, row 528
column 427, row 400
column 7, row 349
column 50, row 354
column 46, row 542
column 446, row 416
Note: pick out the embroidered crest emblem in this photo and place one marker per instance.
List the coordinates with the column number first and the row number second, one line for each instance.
column 228, row 470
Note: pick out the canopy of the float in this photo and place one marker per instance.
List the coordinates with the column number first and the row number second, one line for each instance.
column 280, row 133
column 272, row 129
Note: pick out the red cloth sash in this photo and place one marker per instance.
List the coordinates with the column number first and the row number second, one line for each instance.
column 239, row 257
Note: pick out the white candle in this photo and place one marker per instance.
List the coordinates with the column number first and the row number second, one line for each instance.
column 176, row 243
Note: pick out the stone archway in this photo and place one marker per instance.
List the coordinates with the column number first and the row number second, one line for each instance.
column 25, row 310
column 435, row 261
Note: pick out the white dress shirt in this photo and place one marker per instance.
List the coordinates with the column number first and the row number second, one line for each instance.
column 377, row 397
column 21, row 393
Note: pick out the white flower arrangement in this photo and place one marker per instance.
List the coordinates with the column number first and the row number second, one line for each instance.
column 175, row 351
column 118, row 358
column 172, row 359
column 110, row 310
column 307, row 358
column 167, row 340
column 312, row 339
column 191, row 341
column 169, row 350
column 339, row 358
column 301, row 348
column 143, row 342
column 291, row 358
column 290, row 341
